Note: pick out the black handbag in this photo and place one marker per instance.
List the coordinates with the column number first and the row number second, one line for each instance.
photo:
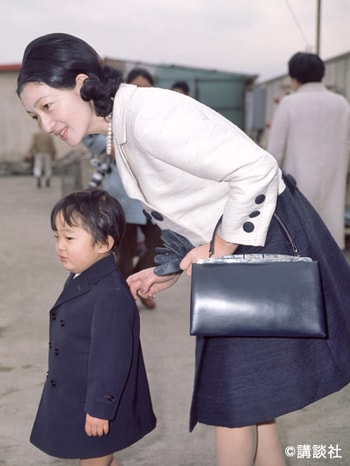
column 257, row 295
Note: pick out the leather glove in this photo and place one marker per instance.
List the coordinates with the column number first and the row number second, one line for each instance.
column 171, row 254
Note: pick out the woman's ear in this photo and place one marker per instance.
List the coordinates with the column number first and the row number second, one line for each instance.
column 79, row 80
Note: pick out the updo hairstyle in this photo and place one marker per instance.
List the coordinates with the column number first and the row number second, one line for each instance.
column 57, row 59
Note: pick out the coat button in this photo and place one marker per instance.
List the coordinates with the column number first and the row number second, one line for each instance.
column 53, row 316
column 62, row 323
column 110, row 398
column 248, row 227
column 260, row 199
column 147, row 214
column 157, row 216
column 57, row 351
column 53, row 383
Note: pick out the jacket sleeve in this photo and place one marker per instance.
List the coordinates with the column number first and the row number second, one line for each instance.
column 208, row 150
column 111, row 353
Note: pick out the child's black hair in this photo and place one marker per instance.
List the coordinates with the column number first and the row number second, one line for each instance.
column 99, row 213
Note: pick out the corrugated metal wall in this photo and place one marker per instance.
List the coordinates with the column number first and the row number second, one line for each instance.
column 223, row 91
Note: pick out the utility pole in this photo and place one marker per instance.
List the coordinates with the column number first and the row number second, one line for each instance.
column 318, row 27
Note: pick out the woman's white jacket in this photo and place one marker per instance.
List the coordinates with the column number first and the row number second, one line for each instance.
column 188, row 165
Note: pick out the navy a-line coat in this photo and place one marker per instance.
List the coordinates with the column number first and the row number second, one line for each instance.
column 95, row 366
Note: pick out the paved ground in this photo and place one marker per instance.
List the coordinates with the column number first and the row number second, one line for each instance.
column 31, row 279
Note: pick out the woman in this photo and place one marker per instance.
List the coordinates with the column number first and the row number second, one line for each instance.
column 188, row 165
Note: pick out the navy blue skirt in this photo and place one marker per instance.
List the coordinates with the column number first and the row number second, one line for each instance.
column 245, row 381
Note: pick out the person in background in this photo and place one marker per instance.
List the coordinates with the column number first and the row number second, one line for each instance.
column 310, row 135
column 132, row 258
column 136, row 221
column 189, row 165
column 140, row 77
column 42, row 151
column 96, row 371
column 182, row 87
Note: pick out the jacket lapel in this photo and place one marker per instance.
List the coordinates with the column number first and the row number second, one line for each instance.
column 121, row 102
column 82, row 283
column 73, row 288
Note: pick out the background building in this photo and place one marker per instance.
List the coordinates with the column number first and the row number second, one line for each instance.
column 223, row 91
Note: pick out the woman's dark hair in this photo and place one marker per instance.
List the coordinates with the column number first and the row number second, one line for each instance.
column 96, row 211
column 136, row 72
column 56, row 60
column 306, row 67
column 181, row 85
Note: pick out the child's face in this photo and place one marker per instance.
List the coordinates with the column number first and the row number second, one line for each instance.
column 75, row 246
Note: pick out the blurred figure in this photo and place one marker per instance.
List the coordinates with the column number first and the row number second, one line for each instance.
column 140, row 77
column 131, row 257
column 310, row 139
column 182, row 87
column 135, row 219
column 42, row 151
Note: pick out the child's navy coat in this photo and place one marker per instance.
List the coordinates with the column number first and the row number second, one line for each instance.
column 95, row 366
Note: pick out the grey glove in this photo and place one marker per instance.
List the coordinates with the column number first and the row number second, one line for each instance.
column 171, row 254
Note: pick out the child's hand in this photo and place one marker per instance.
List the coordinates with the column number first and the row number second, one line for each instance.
column 95, row 427
column 146, row 284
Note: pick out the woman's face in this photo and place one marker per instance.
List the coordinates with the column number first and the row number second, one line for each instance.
column 61, row 112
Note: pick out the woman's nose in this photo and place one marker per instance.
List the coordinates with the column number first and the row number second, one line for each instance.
column 47, row 124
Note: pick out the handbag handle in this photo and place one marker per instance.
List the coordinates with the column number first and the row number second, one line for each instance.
column 279, row 220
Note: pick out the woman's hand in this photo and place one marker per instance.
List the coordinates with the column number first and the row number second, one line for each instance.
column 221, row 248
column 147, row 284
column 95, row 427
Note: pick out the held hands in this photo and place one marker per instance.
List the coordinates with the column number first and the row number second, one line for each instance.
column 95, row 427
column 147, row 284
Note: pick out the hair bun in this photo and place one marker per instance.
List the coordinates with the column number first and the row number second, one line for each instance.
column 102, row 90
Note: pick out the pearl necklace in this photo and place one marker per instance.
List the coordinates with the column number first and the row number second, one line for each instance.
column 109, row 137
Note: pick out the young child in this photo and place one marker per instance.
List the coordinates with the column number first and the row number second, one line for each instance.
column 96, row 397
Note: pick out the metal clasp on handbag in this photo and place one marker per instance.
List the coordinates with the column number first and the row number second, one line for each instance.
column 254, row 258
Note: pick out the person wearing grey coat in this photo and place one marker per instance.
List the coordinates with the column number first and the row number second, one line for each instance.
column 310, row 137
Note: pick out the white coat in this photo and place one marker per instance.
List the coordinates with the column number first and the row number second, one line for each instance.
column 188, row 165
column 310, row 139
